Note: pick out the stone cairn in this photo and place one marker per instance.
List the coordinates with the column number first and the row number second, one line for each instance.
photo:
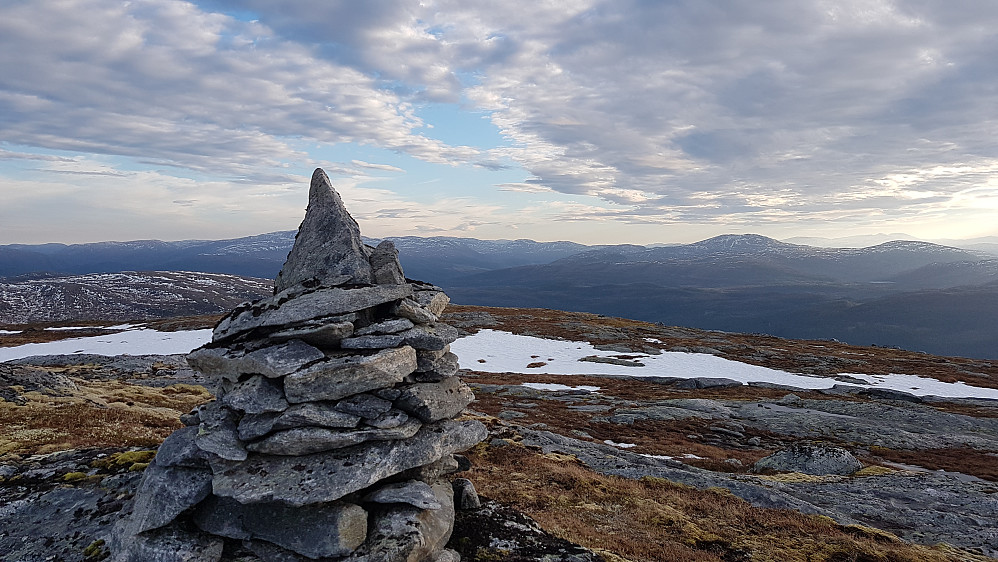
column 332, row 428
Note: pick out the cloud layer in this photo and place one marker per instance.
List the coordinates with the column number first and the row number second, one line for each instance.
column 784, row 115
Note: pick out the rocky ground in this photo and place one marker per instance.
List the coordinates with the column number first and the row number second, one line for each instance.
column 642, row 469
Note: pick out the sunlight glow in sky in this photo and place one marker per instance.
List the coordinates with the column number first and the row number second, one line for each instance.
column 598, row 121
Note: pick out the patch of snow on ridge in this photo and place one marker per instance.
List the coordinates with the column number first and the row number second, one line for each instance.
column 495, row 351
column 620, row 445
column 924, row 386
column 2, row 332
column 556, row 387
column 669, row 458
column 132, row 342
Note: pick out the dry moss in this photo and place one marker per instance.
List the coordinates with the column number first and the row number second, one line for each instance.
column 125, row 460
column 874, row 470
column 74, row 476
column 800, row 477
column 982, row 464
column 95, row 414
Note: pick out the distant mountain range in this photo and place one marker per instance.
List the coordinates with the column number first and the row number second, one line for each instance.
column 911, row 294
column 987, row 244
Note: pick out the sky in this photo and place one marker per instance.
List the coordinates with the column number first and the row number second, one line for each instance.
column 597, row 121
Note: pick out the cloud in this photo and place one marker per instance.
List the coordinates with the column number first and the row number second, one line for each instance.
column 381, row 167
column 789, row 112
column 673, row 98
column 13, row 155
column 167, row 81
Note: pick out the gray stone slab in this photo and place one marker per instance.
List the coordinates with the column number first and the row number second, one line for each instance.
column 707, row 382
column 316, row 531
column 279, row 310
column 256, row 395
column 165, row 492
column 272, row 361
column 218, row 434
column 222, row 517
column 392, row 326
column 427, row 359
column 412, row 492
column 253, row 426
column 391, row 418
column 327, row 334
column 435, row 400
column 342, row 377
column 333, row 529
column 387, row 393
column 364, row 405
column 179, row 449
column 307, row 440
column 326, row 477
column 168, row 544
column 443, row 466
column 436, row 370
column 382, row 341
column 410, row 533
column 321, row 414
column 385, row 265
column 465, row 495
column 433, row 301
column 431, row 336
column 408, row 308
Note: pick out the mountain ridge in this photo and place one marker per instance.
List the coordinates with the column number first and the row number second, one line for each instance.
column 743, row 283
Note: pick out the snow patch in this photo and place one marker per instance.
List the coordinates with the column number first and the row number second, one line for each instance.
column 558, row 387
column 924, row 386
column 495, row 351
column 132, row 342
column 669, row 458
column 620, row 445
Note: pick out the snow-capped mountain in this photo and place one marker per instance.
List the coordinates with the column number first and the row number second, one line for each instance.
column 125, row 296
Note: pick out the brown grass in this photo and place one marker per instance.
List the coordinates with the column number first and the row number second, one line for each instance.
column 98, row 414
column 655, row 520
column 982, row 464
column 637, row 389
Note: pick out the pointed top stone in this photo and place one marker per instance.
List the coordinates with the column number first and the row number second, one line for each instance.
column 328, row 249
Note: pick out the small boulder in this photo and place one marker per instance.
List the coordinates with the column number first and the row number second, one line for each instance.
column 385, row 264
column 810, row 458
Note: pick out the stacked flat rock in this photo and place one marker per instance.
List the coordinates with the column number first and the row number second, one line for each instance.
column 332, row 429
